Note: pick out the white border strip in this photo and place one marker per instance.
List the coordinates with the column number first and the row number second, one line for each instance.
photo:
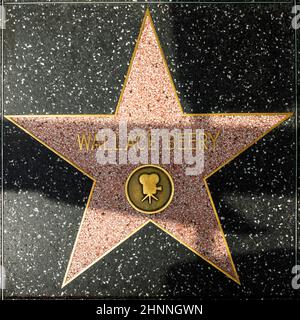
column 2, row 176
column 146, row 2
column 296, row 142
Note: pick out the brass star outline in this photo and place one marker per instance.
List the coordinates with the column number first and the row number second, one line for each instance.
column 287, row 116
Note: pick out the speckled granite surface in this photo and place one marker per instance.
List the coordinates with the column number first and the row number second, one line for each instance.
column 70, row 59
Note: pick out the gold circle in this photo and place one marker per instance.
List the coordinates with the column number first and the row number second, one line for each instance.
column 134, row 189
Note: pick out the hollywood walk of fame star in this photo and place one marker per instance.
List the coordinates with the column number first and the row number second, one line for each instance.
column 148, row 99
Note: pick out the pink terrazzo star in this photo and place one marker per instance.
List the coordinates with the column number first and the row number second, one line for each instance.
column 149, row 100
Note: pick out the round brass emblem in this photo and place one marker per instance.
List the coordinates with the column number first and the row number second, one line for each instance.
column 149, row 189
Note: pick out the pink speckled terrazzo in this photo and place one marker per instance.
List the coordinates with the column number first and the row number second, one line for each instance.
column 149, row 101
